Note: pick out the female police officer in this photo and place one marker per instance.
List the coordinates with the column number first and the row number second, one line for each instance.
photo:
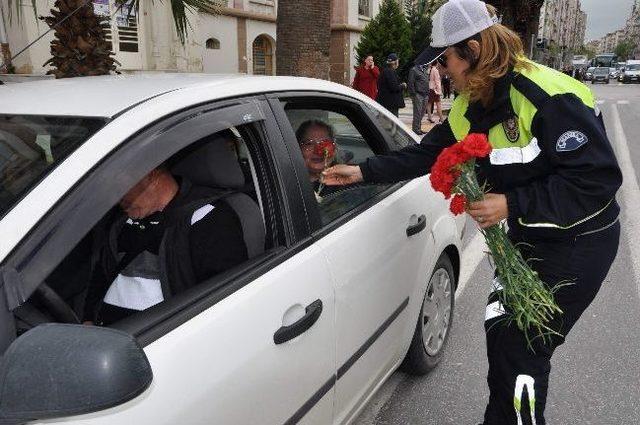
column 552, row 174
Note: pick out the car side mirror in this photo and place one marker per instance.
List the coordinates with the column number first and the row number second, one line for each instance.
column 58, row 370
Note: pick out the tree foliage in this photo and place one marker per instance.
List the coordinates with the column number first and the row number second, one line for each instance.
column 624, row 50
column 388, row 32
column 522, row 16
column 419, row 14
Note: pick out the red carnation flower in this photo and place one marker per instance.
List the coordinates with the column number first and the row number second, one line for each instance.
column 476, row 145
column 458, row 204
column 325, row 147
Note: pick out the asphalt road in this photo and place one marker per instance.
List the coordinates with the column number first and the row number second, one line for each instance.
column 595, row 377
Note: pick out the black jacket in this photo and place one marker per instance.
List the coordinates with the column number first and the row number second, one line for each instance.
column 390, row 90
column 188, row 253
column 574, row 190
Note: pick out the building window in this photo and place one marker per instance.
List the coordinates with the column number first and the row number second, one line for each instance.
column 213, row 43
column 262, row 56
column 364, row 7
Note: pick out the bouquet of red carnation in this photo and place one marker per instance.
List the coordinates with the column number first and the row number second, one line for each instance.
column 526, row 300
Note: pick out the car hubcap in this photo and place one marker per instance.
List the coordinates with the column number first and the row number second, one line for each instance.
column 436, row 312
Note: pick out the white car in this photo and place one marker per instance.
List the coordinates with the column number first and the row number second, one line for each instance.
column 339, row 290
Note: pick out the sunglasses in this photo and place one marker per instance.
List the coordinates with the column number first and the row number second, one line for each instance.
column 319, row 146
column 442, row 60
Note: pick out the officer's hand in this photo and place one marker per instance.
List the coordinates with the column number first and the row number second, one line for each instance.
column 492, row 210
column 341, row 174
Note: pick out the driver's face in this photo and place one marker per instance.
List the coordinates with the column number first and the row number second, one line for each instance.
column 142, row 199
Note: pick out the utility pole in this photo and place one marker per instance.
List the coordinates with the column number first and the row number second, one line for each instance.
column 533, row 40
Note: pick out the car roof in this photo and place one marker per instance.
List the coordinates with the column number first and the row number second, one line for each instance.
column 108, row 96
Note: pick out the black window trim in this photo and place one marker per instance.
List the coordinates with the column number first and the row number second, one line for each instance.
column 317, row 230
column 38, row 244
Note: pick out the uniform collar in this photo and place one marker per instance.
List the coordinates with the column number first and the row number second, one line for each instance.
column 498, row 111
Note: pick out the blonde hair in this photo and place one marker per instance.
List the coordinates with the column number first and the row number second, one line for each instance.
column 500, row 51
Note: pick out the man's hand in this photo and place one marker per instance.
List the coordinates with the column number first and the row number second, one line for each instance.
column 341, row 174
column 492, row 210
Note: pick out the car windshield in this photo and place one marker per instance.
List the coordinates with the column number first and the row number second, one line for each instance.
column 601, row 71
column 32, row 146
column 634, row 67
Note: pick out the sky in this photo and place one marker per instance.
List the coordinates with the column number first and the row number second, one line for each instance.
column 604, row 16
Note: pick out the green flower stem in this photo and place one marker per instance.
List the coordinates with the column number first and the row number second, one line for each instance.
column 525, row 297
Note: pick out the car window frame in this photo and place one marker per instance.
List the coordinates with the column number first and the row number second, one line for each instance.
column 53, row 234
column 317, row 229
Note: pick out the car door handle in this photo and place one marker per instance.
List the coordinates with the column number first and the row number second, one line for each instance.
column 413, row 229
column 287, row 333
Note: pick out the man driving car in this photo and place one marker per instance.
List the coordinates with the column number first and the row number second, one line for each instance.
column 166, row 236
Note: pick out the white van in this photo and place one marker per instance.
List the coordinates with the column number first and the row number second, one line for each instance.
column 631, row 71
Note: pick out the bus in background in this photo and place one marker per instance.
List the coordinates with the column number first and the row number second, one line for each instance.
column 608, row 60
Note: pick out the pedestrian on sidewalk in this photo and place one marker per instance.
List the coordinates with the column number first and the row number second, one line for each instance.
column 446, row 86
column 435, row 91
column 418, row 84
column 366, row 79
column 389, row 86
column 553, row 180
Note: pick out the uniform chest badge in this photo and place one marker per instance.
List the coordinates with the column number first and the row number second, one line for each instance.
column 511, row 129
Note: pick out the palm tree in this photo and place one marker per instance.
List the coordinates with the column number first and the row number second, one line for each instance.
column 522, row 16
column 303, row 36
column 80, row 47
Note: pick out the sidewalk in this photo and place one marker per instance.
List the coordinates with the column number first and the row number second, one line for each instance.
column 406, row 114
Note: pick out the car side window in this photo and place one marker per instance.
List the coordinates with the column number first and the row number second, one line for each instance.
column 399, row 138
column 327, row 136
column 217, row 215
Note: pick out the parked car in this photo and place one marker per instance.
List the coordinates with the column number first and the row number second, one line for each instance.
column 589, row 74
column 631, row 72
column 338, row 291
column 600, row 74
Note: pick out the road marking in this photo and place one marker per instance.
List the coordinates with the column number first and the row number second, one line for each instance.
column 623, row 102
column 630, row 194
column 471, row 256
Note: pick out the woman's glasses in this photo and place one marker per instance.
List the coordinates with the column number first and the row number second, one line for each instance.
column 442, row 60
column 319, row 146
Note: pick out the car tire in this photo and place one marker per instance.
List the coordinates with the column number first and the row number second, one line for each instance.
column 423, row 356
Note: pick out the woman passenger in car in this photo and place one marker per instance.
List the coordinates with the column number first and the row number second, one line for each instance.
column 167, row 236
column 317, row 144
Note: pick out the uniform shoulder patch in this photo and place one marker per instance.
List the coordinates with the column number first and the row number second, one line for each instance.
column 511, row 129
column 570, row 141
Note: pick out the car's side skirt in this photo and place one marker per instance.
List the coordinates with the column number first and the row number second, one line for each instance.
column 342, row 370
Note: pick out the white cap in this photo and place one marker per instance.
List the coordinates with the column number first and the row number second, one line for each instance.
column 453, row 22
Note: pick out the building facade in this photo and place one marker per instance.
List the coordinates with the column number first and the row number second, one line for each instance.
column 630, row 33
column 561, row 31
column 632, row 29
column 240, row 39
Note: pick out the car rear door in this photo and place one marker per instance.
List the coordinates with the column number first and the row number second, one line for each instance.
column 378, row 243
column 253, row 345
